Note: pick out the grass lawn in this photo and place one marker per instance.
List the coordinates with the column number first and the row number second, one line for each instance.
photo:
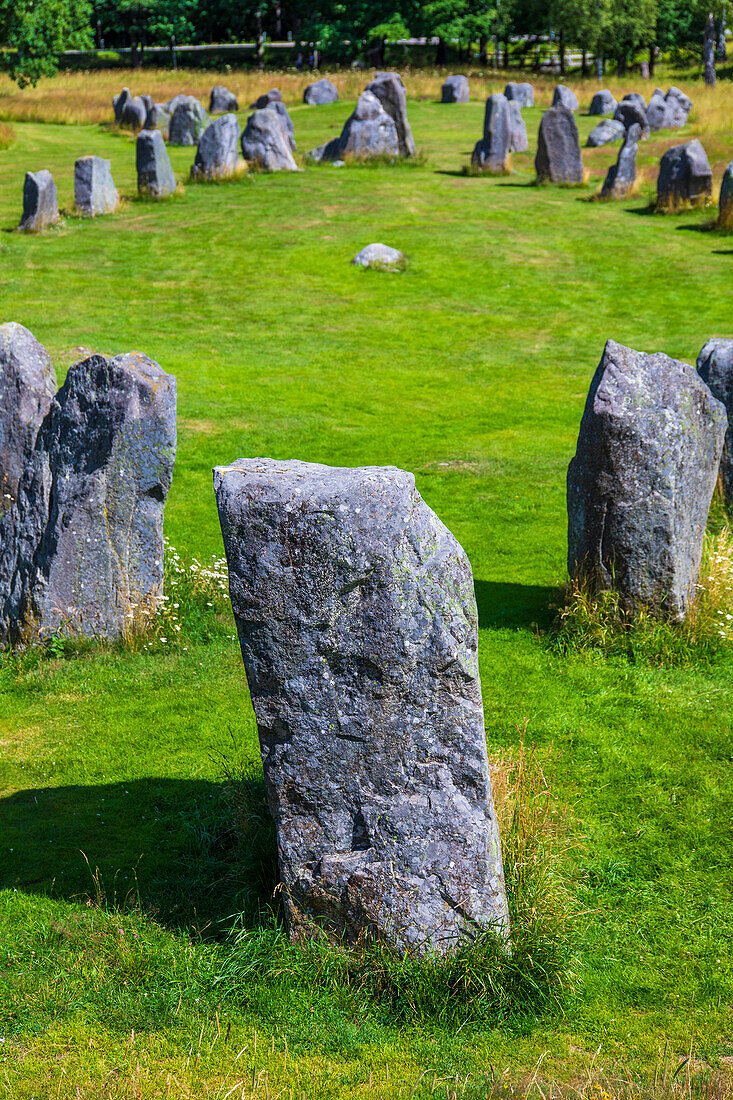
column 470, row 369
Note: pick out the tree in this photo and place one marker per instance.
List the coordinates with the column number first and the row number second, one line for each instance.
column 35, row 32
column 630, row 25
column 582, row 23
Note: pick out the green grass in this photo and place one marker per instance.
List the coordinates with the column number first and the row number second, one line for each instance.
column 470, row 368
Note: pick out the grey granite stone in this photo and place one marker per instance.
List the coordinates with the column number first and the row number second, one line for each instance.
column 94, row 189
column 40, row 205
column 27, row 388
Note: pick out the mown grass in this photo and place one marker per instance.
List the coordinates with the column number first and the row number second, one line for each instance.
column 471, row 369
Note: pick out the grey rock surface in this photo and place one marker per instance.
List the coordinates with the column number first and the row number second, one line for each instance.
column 369, row 132
column 606, row 131
column 641, row 482
column 320, row 92
column 158, row 118
column 725, row 202
column 685, row 177
column 378, row 255
column 491, row 153
column 558, row 156
column 94, row 189
column 118, row 103
column 188, row 122
column 518, row 142
column 602, row 103
column 715, row 367
column 390, row 91
column 622, row 175
column 273, row 96
column 455, row 90
column 217, row 155
column 87, row 528
column 174, row 101
column 635, row 97
column 564, row 97
column 678, row 108
column 357, row 623
column 266, row 144
column 656, row 113
column 27, row 388
column 285, row 120
column 133, row 113
column 222, row 101
column 630, row 113
column 154, row 173
column 40, row 204
column 521, row 93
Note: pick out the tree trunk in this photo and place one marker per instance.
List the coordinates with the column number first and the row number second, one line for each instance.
column 441, row 52
column 721, row 51
column 482, row 55
column 506, row 53
column 621, row 65
column 652, row 59
column 562, row 53
column 259, row 40
column 708, row 51
column 584, row 63
column 599, row 68
column 278, row 20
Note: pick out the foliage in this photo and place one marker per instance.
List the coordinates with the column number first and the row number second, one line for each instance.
column 34, row 32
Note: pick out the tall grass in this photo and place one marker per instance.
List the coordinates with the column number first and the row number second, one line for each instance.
column 7, row 135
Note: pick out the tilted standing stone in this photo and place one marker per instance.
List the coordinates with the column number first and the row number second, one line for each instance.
column 40, row 205
column 455, row 90
column 685, row 177
column 558, row 156
column 154, row 173
column 621, row 176
column 564, row 97
column 715, row 367
column 602, row 103
column 357, row 623
column 266, row 142
column 222, row 101
column 27, row 388
column 725, row 203
column 641, row 481
column 217, row 155
column 87, row 529
column 188, row 122
column 94, row 189
column 320, row 93
column 368, row 132
column 521, row 93
column 390, row 91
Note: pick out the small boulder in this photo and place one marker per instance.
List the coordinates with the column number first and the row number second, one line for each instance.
column 266, row 144
column 678, row 108
column 222, row 101
column 641, row 482
column 188, row 122
column 656, row 112
column 118, row 103
column 94, row 189
column 455, row 90
column 564, row 97
column 40, row 205
column 491, row 153
column 133, row 114
column 27, row 388
column 602, row 103
column 273, row 96
column 605, row 132
column 521, row 93
column 558, row 158
column 379, row 256
column 630, row 113
column 390, row 91
column 217, row 155
column 725, row 203
column 369, row 132
column 715, row 367
column 685, row 177
column 158, row 118
column 635, row 97
column 154, row 173
column 622, row 175
column 320, row 92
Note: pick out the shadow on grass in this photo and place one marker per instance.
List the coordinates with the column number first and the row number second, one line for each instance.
column 191, row 853
column 518, row 606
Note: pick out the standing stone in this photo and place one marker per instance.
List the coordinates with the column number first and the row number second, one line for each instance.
column 27, row 388
column 369, row 132
column 491, row 154
column 564, row 97
column 133, row 114
column 715, row 367
column 87, row 534
column 630, row 113
column 656, row 112
column 148, row 103
column 605, row 132
column 558, row 148
column 154, row 173
column 273, row 96
column 678, row 108
column 118, row 103
column 40, row 206
column 265, row 143
column 602, row 103
column 725, row 204
column 635, row 97
column 390, row 91
column 175, row 101
column 94, row 189
column 357, row 623
column 518, row 142
column 641, row 481
column 685, row 177
column 158, row 118
column 217, row 155
column 320, row 92
column 222, row 101
column 522, row 93
column 455, row 90
column 188, row 122
column 285, row 120
column 622, row 175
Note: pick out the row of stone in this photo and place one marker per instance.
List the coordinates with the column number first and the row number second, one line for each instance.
column 84, row 475
column 665, row 112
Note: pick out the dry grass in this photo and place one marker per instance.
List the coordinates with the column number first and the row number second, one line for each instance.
column 7, row 135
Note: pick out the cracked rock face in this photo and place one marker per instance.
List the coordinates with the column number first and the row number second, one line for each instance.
column 27, row 388
column 390, row 91
column 368, row 132
column 266, row 142
column 641, row 482
column 715, row 367
column 94, row 189
column 217, row 155
column 357, row 623
column 83, row 547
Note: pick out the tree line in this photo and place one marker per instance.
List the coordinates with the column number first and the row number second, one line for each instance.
column 613, row 32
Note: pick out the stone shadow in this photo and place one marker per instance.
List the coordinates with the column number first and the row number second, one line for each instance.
column 517, row 606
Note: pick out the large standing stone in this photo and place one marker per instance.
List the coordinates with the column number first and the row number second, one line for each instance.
column 158, row 118
column 94, row 189
column 558, row 156
column 87, row 529
column 564, row 97
column 491, row 153
column 154, row 173
column 605, row 132
column 40, row 205
column 621, row 176
column 602, row 103
column 715, row 367
column 118, row 103
column 27, row 388
column 630, row 113
column 266, row 143
column 285, row 120
column 133, row 113
column 222, row 101
column 455, row 90
column 685, row 177
column 521, row 93
column 273, row 96
column 188, row 122
column 656, row 112
column 217, row 155
column 320, row 92
column 641, row 481
column 678, row 108
column 357, row 623
column 369, row 132
column 390, row 91
column 725, row 203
